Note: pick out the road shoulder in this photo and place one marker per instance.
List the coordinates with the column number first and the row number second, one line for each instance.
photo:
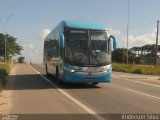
column 5, row 95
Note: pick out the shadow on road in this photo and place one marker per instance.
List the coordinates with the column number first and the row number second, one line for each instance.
column 26, row 82
column 34, row 81
column 63, row 85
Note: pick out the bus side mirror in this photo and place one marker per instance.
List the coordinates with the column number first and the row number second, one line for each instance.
column 62, row 40
column 114, row 41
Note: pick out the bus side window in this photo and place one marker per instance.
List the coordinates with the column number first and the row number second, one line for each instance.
column 49, row 55
column 56, row 49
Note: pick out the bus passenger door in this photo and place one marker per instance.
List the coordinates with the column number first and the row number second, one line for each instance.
column 57, row 60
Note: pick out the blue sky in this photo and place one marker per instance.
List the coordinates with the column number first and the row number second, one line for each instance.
column 33, row 19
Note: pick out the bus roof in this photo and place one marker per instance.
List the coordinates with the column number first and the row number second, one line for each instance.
column 83, row 25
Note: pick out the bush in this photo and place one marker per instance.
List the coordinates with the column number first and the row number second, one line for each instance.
column 138, row 69
column 4, row 71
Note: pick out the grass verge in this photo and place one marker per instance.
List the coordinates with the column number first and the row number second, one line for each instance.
column 4, row 71
column 138, row 69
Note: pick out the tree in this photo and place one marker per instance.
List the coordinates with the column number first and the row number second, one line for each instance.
column 1, row 45
column 12, row 46
column 119, row 55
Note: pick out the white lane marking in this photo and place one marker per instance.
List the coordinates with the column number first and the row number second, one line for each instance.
column 146, row 83
column 144, row 94
column 140, row 82
column 94, row 114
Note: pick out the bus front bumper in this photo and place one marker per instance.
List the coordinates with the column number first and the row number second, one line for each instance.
column 73, row 77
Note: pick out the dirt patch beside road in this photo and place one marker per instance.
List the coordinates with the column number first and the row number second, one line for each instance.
column 6, row 96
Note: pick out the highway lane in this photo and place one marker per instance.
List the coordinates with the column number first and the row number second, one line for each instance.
column 119, row 96
column 150, row 79
column 143, row 87
column 32, row 94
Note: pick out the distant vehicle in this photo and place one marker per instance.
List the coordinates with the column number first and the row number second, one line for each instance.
column 21, row 59
column 79, row 52
column 14, row 61
column 30, row 61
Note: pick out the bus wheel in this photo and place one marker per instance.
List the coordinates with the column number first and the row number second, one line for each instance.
column 47, row 70
column 59, row 81
column 57, row 72
column 94, row 83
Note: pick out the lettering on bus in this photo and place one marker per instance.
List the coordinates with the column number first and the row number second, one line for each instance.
column 77, row 31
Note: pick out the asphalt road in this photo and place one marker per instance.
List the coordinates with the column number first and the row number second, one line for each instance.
column 31, row 92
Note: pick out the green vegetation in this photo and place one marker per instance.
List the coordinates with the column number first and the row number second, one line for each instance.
column 119, row 55
column 4, row 71
column 12, row 47
column 138, row 69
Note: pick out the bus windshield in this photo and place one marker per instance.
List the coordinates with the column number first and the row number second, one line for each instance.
column 87, row 47
column 100, row 48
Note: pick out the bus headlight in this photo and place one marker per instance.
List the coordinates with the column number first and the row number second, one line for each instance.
column 69, row 70
column 72, row 71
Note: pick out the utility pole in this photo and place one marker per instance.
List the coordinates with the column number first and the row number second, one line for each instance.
column 156, row 48
column 128, row 27
column 1, row 24
column 5, row 38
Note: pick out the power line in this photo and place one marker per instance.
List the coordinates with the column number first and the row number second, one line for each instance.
column 142, row 25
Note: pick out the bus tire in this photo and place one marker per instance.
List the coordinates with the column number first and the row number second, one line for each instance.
column 59, row 81
column 57, row 72
column 94, row 83
column 47, row 70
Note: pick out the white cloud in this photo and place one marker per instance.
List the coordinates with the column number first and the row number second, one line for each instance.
column 31, row 52
column 148, row 38
column 44, row 33
column 137, row 40
column 116, row 33
column 31, row 46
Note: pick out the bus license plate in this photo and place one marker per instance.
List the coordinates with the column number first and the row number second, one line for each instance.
column 89, row 78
